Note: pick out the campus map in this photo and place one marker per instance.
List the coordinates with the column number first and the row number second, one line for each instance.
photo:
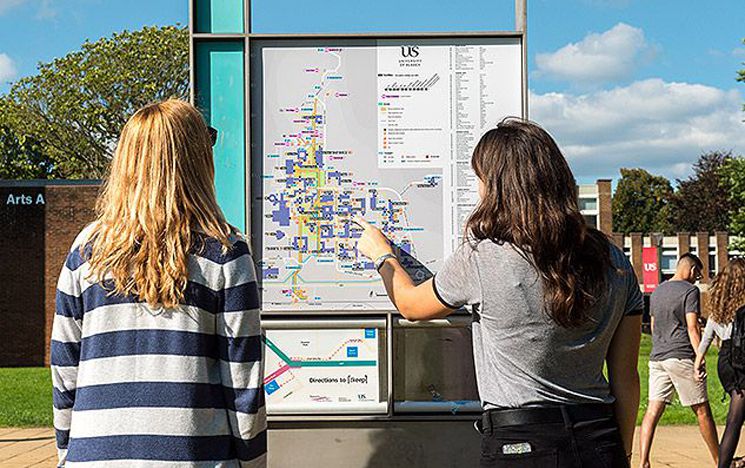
column 333, row 370
column 382, row 132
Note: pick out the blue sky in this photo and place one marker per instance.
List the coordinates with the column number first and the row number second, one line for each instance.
column 619, row 83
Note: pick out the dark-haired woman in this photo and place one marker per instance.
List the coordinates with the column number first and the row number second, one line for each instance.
column 726, row 302
column 552, row 301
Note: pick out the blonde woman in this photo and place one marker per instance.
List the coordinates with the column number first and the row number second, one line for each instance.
column 156, row 350
column 727, row 301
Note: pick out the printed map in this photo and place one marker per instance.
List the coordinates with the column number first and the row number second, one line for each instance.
column 382, row 132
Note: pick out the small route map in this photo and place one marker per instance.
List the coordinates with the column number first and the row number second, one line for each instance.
column 334, row 370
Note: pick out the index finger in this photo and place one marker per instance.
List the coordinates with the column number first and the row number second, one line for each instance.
column 359, row 220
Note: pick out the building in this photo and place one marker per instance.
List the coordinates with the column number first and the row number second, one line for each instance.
column 595, row 204
column 38, row 223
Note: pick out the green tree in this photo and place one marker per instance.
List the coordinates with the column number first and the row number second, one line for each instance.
column 733, row 172
column 76, row 106
column 640, row 203
column 700, row 202
column 21, row 157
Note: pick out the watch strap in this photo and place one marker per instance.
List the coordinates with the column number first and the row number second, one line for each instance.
column 381, row 260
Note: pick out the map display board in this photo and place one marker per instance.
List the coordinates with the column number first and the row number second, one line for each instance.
column 333, row 370
column 383, row 129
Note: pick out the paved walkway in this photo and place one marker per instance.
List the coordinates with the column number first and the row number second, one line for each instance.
column 27, row 447
column 676, row 446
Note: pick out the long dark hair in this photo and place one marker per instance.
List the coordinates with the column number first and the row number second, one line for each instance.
column 530, row 202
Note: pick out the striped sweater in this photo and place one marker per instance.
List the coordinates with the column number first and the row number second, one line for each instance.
column 136, row 386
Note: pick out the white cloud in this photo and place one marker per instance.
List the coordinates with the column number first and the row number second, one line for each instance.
column 46, row 10
column 653, row 124
column 6, row 5
column 600, row 57
column 7, row 68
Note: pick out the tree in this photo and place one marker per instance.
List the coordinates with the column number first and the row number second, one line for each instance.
column 701, row 202
column 21, row 157
column 76, row 106
column 640, row 203
column 733, row 174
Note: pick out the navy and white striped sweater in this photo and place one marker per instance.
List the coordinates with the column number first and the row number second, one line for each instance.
column 141, row 387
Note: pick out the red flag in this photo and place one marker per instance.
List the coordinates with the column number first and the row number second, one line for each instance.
column 651, row 274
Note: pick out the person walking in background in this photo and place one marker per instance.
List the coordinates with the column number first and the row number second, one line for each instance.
column 552, row 301
column 156, row 345
column 727, row 307
column 675, row 310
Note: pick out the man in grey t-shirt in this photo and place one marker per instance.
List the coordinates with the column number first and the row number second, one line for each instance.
column 675, row 310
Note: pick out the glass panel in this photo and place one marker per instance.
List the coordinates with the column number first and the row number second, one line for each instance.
column 591, row 220
column 220, row 97
column 669, row 260
column 433, row 368
column 218, row 16
column 588, row 204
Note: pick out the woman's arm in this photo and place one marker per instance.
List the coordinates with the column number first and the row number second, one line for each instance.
column 65, row 353
column 623, row 377
column 414, row 302
column 699, row 367
column 241, row 360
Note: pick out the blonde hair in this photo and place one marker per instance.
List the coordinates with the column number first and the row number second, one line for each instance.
column 727, row 292
column 159, row 189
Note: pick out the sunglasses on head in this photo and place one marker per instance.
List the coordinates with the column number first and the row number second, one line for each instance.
column 213, row 135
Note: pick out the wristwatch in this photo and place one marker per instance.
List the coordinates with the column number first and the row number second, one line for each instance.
column 381, row 260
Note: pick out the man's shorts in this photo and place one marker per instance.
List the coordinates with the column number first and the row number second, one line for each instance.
column 671, row 375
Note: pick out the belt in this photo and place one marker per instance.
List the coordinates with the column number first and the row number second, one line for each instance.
column 548, row 415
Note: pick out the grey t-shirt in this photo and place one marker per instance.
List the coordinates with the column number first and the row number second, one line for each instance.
column 522, row 357
column 669, row 304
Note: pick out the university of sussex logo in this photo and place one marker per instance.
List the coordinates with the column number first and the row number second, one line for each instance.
column 410, row 51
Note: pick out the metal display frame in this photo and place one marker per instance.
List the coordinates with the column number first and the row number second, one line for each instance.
column 392, row 317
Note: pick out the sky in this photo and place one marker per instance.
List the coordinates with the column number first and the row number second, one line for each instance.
column 618, row 83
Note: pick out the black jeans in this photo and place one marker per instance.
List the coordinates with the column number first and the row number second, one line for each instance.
column 568, row 439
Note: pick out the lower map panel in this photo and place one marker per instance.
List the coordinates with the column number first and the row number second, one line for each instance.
column 325, row 366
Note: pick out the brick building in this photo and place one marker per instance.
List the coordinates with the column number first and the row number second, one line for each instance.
column 38, row 222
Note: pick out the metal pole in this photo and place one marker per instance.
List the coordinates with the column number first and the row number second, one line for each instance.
column 521, row 25
column 247, row 121
column 521, row 15
column 192, row 46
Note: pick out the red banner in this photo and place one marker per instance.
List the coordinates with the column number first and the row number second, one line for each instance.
column 651, row 274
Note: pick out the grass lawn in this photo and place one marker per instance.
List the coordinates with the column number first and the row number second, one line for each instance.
column 25, row 397
column 26, row 394
column 675, row 413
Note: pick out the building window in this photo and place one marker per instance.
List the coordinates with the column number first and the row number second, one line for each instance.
column 591, row 220
column 713, row 263
column 668, row 260
column 588, row 204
